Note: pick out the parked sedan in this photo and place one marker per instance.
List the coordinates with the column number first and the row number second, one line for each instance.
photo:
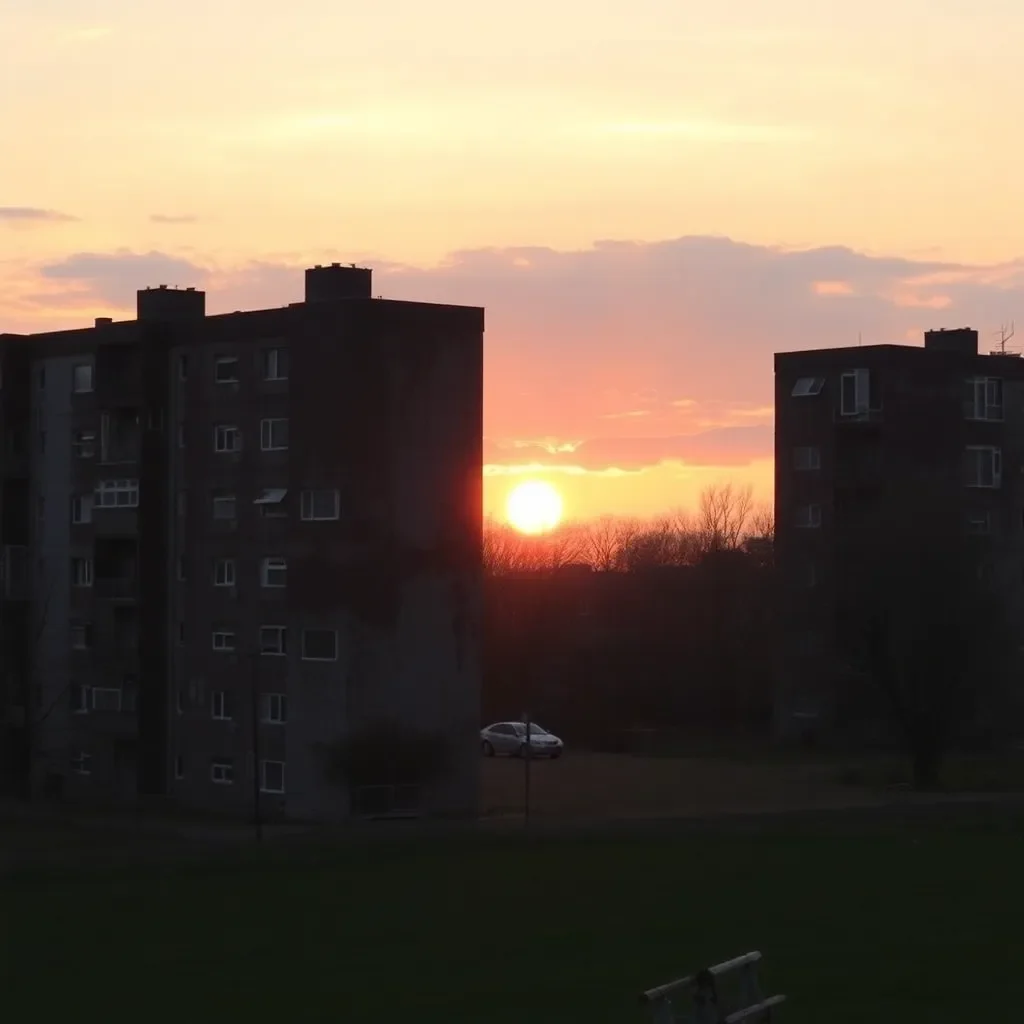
column 510, row 738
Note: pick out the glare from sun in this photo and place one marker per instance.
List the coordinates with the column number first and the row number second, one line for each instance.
column 534, row 507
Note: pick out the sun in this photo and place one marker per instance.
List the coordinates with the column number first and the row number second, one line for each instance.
column 534, row 507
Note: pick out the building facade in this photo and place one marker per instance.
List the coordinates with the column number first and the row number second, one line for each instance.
column 231, row 541
column 872, row 442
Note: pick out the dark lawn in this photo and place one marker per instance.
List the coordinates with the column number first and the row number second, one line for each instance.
column 881, row 924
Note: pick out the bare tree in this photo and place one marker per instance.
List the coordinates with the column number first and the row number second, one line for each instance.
column 762, row 522
column 722, row 517
column 602, row 540
column 923, row 620
column 507, row 551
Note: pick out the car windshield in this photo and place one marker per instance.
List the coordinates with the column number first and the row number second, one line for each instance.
column 535, row 729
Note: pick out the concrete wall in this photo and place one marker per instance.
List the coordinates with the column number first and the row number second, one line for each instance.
column 51, row 543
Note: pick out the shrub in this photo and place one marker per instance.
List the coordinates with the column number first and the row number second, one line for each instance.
column 387, row 754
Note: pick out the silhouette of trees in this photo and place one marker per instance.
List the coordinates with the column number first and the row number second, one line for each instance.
column 927, row 621
column 602, row 626
column 726, row 520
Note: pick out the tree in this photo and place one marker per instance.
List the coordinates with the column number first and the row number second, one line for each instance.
column 722, row 517
column 927, row 620
column 25, row 736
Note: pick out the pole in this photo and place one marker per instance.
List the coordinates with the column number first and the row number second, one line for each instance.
column 526, row 772
column 255, row 715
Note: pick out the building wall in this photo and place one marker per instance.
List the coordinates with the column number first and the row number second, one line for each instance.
column 901, row 470
column 384, row 404
column 52, row 548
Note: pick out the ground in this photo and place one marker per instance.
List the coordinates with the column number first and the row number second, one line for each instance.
column 582, row 785
column 883, row 922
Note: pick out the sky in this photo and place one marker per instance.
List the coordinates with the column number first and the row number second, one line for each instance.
column 649, row 199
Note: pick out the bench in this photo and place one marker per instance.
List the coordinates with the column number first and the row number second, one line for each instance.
column 724, row 994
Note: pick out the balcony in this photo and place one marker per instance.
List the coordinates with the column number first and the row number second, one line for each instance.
column 120, row 437
column 116, row 572
column 860, row 417
column 118, row 588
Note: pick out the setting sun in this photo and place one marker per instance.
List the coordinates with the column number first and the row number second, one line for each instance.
column 534, row 507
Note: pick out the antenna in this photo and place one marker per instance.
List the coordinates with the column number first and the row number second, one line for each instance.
column 1005, row 334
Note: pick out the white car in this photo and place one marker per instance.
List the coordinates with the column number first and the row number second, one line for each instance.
column 510, row 738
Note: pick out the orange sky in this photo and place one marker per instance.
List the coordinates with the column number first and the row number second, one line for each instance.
column 774, row 176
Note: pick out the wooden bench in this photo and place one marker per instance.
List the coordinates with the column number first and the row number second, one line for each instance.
column 724, row 994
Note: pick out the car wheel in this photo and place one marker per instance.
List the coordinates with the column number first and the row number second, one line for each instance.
column 522, row 750
column 557, row 754
column 487, row 749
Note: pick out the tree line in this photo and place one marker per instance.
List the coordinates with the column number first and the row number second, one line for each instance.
column 726, row 519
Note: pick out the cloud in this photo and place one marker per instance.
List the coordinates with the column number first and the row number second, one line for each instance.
column 25, row 215
column 724, row 446
column 171, row 218
column 115, row 277
column 580, row 343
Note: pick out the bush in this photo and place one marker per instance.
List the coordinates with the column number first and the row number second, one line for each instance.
column 387, row 754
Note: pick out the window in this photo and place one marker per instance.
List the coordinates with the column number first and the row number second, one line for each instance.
column 222, row 771
column 224, row 506
column 81, row 572
column 81, row 636
column 808, row 387
column 274, row 572
column 81, row 763
column 83, row 444
column 106, row 698
column 983, row 398
column 979, row 523
column 81, row 378
column 223, row 640
column 320, row 505
column 273, row 640
column 273, row 435
column 225, row 370
column 220, row 705
column 80, row 700
column 275, row 708
column 271, row 503
column 181, row 634
column 81, row 509
column 806, row 458
column 227, row 438
column 117, row 494
column 182, row 564
column 183, row 367
column 808, row 517
column 272, row 776
column 319, row 645
column 854, row 392
column 224, row 572
column 179, row 767
column 984, row 466
column 275, row 364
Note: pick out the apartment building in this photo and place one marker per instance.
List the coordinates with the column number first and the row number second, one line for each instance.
column 863, row 435
column 230, row 541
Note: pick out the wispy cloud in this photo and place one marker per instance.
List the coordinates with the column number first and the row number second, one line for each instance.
column 26, row 215
column 173, row 218
column 580, row 340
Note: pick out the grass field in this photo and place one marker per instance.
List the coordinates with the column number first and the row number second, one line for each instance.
column 882, row 923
